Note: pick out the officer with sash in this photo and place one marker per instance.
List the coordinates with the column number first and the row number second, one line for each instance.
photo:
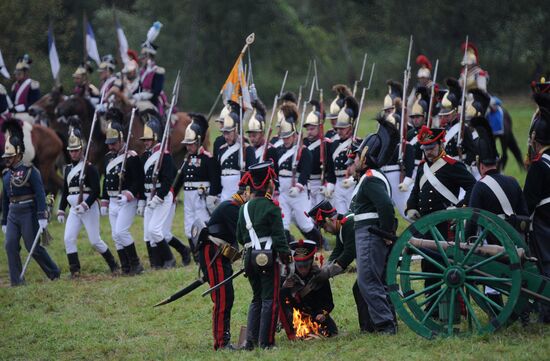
column 260, row 230
column 23, row 210
column 120, row 196
column 24, row 91
column 536, row 190
column 158, row 197
column 84, row 206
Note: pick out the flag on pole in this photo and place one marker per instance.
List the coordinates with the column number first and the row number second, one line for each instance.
column 91, row 45
column 3, row 69
column 52, row 51
column 235, row 85
column 122, row 42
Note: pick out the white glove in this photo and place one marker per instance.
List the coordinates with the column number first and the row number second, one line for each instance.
column 407, row 182
column 141, row 207
column 81, row 208
column 101, row 108
column 154, row 202
column 4, row 229
column 104, row 207
column 61, row 217
column 211, row 203
column 413, row 214
column 20, row 108
column 328, row 190
column 349, row 182
column 296, row 190
column 43, row 223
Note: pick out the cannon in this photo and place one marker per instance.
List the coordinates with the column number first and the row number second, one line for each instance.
column 469, row 253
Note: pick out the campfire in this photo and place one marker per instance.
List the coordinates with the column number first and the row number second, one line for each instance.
column 305, row 327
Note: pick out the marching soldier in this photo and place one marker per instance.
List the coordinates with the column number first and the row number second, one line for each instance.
column 313, row 141
column 230, row 154
column 260, row 230
column 119, row 196
column 83, row 87
column 293, row 195
column 392, row 100
column 417, row 119
column 25, row 91
column 536, row 190
column 476, row 78
column 84, row 206
column 372, row 206
column 340, row 183
column 158, row 198
column 256, row 136
column 286, row 98
column 198, row 175
column 24, row 211
column 151, row 79
column 342, row 91
column 220, row 140
column 218, row 249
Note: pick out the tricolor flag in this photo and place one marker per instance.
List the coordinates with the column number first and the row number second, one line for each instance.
column 122, row 42
column 235, row 85
column 52, row 51
column 91, row 46
column 3, row 69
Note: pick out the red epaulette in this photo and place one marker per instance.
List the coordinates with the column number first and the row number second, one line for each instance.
column 449, row 160
column 483, row 72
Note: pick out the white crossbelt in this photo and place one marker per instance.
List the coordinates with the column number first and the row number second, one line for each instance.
column 451, row 133
column 255, row 242
column 363, row 216
column 438, row 186
column 232, row 149
column 341, row 147
column 289, row 153
column 499, row 193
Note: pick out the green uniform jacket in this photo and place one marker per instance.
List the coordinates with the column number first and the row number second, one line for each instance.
column 372, row 196
column 344, row 251
column 267, row 222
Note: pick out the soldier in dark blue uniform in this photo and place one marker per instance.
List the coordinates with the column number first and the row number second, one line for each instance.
column 256, row 136
column 312, row 141
column 536, row 190
column 286, row 98
column 23, row 210
column 342, row 91
column 120, row 196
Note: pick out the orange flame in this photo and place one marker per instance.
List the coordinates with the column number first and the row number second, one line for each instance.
column 304, row 325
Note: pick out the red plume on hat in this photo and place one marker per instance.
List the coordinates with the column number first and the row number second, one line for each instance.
column 422, row 60
column 132, row 54
column 470, row 46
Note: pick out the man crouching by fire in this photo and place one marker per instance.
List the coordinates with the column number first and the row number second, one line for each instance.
column 306, row 302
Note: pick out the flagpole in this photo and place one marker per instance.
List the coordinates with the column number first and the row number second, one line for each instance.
column 119, row 57
column 84, row 21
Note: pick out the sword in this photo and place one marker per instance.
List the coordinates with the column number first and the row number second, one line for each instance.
column 34, row 243
column 225, row 281
column 193, row 286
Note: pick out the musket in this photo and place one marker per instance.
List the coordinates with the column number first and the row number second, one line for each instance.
column 322, row 145
column 298, row 152
column 283, row 85
column 403, row 126
column 463, row 104
column 432, row 94
column 225, row 281
column 123, row 167
column 363, row 93
column 303, row 86
column 241, row 136
column 165, row 136
column 269, row 128
column 87, row 152
column 187, row 289
column 361, row 77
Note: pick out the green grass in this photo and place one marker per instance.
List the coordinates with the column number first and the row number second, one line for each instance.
column 100, row 317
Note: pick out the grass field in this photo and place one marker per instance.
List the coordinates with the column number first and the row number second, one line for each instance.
column 101, row 317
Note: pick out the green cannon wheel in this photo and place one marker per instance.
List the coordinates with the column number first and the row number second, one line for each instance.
column 466, row 254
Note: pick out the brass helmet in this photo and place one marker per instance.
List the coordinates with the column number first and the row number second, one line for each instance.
column 75, row 141
column 421, row 101
column 425, row 67
column 151, row 130
column 232, row 119
column 451, row 98
column 23, row 62
column 114, row 133
column 393, row 98
column 348, row 114
column 83, row 70
column 257, row 120
column 476, row 104
column 14, row 146
column 289, row 120
column 315, row 117
column 471, row 57
column 107, row 63
column 225, row 110
column 342, row 91
column 130, row 66
column 196, row 131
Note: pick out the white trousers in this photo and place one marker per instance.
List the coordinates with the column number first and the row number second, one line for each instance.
column 167, row 228
column 294, row 208
column 121, row 219
column 194, row 207
column 399, row 198
column 90, row 220
column 315, row 195
column 230, row 186
column 154, row 220
column 341, row 199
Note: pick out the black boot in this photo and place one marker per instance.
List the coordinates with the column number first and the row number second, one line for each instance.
column 135, row 265
column 108, row 256
column 182, row 250
column 315, row 236
column 253, row 325
column 74, row 264
column 168, row 260
column 267, row 326
column 154, row 256
column 124, row 261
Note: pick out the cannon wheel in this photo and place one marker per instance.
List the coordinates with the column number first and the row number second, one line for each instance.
column 457, row 288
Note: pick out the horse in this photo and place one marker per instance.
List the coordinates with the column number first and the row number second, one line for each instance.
column 508, row 141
